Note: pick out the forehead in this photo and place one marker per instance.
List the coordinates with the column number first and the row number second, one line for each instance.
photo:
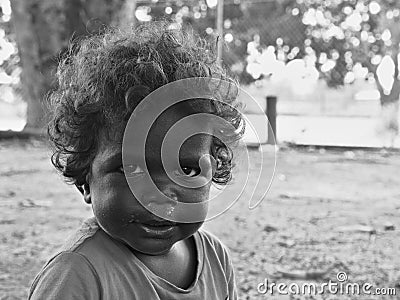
column 167, row 123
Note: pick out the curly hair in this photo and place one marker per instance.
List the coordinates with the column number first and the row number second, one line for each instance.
column 96, row 75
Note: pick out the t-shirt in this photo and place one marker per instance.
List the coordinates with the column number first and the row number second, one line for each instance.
column 93, row 265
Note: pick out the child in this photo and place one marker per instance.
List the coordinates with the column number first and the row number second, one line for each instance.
column 125, row 251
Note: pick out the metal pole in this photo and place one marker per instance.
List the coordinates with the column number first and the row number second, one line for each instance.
column 220, row 29
column 271, row 115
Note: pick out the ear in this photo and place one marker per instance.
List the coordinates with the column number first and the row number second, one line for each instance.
column 86, row 193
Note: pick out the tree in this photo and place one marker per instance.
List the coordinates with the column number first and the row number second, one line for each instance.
column 263, row 22
column 44, row 29
column 353, row 33
column 343, row 36
column 242, row 21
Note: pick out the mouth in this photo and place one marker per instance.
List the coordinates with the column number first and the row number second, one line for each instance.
column 157, row 228
column 154, row 222
column 160, row 230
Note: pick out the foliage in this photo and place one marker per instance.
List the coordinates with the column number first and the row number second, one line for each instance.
column 9, row 59
column 242, row 21
column 344, row 37
column 350, row 32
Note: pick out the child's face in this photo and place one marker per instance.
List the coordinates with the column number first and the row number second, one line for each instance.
column 117, row 210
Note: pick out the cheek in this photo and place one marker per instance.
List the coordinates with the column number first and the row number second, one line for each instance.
column 157, row 189
column 113, row 202
column 195, row 195
column 198, row 206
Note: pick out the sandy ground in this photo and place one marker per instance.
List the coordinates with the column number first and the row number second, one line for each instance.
column 326, row 212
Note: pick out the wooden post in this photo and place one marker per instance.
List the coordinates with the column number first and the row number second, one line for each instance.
column 133, row 11
column 220, row 29
column 271, row 115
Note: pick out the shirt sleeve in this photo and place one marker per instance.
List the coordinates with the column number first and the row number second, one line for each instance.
column 226, row 262
column 67, row 276
column 232, row 289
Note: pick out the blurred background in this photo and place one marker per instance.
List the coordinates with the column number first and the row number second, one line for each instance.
column 330, row 72
column 331, row 64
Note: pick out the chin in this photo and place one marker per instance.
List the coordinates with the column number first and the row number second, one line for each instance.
column 152, row 248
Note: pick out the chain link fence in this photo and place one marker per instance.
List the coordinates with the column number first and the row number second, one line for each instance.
column 330, row 50
column 248, row 30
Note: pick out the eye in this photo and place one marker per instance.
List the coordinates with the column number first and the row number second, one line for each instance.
column 131, row 169
column 191, row 172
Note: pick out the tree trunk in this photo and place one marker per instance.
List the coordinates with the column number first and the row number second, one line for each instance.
column 43, row 30
column 33, row 81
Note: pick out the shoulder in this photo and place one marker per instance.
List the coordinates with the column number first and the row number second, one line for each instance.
column 69, row 269
column 211, row 240
column 83, row 265
column 65, row 276
column 67, row 263
column 92, row 243
column 213, row 245
column 87, row 230
column 218, row 255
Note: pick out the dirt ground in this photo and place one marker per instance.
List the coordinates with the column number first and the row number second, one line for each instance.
column 326, row 212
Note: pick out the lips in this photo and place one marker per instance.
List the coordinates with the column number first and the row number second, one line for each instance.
column 156, row 227
column 155, row 223
column 159, row 230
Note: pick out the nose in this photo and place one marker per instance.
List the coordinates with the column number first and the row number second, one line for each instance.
column 159, row 188
column 168, row 200
column 157, row 193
